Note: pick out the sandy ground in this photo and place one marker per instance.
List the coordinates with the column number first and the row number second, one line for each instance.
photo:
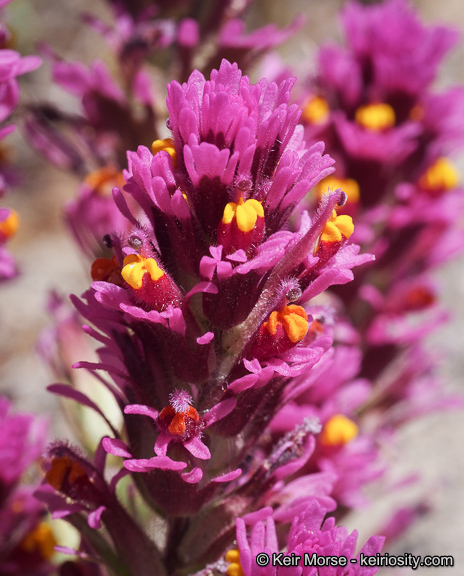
column 48, row 259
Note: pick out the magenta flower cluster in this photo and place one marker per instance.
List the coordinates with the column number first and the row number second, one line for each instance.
column 12, row 65
column 203, row 312
column 391, row 135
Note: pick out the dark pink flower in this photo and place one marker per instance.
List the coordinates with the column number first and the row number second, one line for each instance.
column 309, row 534
column 178, row 423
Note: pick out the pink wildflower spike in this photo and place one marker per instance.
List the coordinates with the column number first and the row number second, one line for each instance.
column 308, row 535
column 207, row 314
column 205, row 115
column 411, row 70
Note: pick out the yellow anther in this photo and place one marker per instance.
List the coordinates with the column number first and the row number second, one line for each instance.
column 294, row 321
column 348, row 185
column 105, row 179
column 135, row 267
column 375, row 117
column 272, row 323
column 40, row 540
column 166, row 145
column 245, row 212
column 338, row 431
column 337, row 228
column 9, row 226
column 440, row 176
column 235, row 568
column 229, row 212
column 316, row 110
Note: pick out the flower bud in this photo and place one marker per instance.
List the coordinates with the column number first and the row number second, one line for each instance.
column 281, row 332
column 242, row 226
column 149, row 284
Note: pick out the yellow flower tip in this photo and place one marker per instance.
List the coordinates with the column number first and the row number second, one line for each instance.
column 331, row 233
column 105, row 179
column 246, row 213
column 315, row 110
column 294, row 321
column 337, row 228
column 235, row 568
column 345, row 224
column 166, row 145
column 338, row 431
column 375, row 117
column 229, row 212
column 136, row 266
column 41, row 540
column 348, row 185
column 442, row 175
column 9, row 226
